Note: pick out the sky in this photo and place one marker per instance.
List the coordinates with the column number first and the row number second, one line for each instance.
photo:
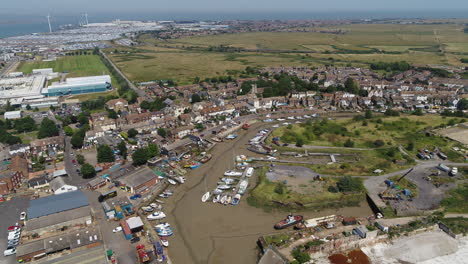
column 225, row 6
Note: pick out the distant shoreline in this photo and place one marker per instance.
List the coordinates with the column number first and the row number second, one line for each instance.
column 17, row 25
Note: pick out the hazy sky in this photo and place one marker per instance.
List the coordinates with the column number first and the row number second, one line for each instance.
column 226, row 6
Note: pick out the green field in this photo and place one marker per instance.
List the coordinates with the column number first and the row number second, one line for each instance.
column 185, row 58
column 391, row 131
column 76, row 66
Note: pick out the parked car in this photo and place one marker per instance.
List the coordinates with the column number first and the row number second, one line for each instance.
column 134, row 240
column 136, row 196
column 117, row 229
column 23, row 216
column 9, row 252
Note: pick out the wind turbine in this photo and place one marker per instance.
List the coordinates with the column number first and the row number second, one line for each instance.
column 48, row 20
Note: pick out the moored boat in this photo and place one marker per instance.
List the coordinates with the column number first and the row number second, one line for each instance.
column 205, row 197
column 206, row 158
column 223, row 199
column 164, row 241
column 289, row 221
column 228, row 180
column 236, row 199
column 243, row 186
column 224, row 187
column 216, row 198
column 232, row 173
column 171, row 181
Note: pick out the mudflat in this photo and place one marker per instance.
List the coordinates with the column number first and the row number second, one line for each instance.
column 213, row 233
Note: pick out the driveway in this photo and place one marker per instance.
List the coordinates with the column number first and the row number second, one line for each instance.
column 10, row 215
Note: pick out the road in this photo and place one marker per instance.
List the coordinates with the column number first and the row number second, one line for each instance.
column 140, row 92
column 11, row 66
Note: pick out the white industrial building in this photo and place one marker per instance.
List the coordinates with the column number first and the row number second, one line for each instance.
column 81, row 85
column 12, row 88
column 12, row 115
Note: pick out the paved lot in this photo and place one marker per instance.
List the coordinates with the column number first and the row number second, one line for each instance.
column 9, row 216
column 124, row 251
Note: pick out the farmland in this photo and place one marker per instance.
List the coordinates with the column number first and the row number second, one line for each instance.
column 361, row 44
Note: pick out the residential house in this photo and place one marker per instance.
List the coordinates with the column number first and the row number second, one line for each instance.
column 50, row 145
column 10, row 181
column 58, row 186
column 19, row 148
column 117, row 104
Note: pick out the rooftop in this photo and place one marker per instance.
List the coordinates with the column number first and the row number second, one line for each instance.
column 55, row 204
column 138, row 177
column 61, row 217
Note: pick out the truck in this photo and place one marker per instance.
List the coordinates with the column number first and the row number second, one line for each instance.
column 443, row 167
column 143, row 257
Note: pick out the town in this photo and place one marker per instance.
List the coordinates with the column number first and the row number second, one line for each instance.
column 367, row 161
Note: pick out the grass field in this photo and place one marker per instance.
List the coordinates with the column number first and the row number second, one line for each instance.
column 77, row 66
column 360, row 45
column 268, row 195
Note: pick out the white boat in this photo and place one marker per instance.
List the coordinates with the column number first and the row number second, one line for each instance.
column 205, row 197
column 232, row 173
column 243, row 186
column 216, row 198
column 162, row 225
column 228, row 200
column 228, row 180
column 164, row 241
column 147, row 209
column 156, row 216
column 180, row 179
column 223, row 199
column 171, row 181
column 217, row 191
column 236, row 199
column 169, row 192
column 224, row 187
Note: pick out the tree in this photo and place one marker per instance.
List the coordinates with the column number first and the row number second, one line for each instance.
column 299, row 142
column 379, row 143
column 418, row 112
column 28, row 107
column 77, row 140
column 122, row 147
column 368, row 114
column 105, row 154
column 83, row 119
column 25, row 124
column 152, row 150
column 199, row 126
column 351, row 86
column 68, row 131
column 140, row 156
column 112, row 114
column 80, row 159
column 349, row 184
column 410, row 146
column 162, row 132
column 195, row 98
column 132, row 132
column 462, row 104
column 48, row 128
column 88, row 171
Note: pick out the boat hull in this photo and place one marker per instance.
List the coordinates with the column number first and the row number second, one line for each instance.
column 284, row 223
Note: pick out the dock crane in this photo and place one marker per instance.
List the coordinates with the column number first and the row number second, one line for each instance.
column 390, row 185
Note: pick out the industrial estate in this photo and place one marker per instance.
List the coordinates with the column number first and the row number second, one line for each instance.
column 227, row 142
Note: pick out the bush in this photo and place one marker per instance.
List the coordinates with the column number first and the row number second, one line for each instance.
column 299, row 142
column 279, row 188
column 300, row 256
column 349, row 143
column 378, row 143
column 350, row 184
column 132, row 133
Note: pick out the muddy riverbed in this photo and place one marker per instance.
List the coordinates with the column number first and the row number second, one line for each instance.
column 212, row 233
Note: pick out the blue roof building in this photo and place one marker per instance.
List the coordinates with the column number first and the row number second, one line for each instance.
column 56, row 203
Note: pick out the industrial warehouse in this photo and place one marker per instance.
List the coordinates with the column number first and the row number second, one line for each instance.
column 33, row 89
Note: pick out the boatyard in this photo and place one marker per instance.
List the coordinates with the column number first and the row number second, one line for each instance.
column 208, row 234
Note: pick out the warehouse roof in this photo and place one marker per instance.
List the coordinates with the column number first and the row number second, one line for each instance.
column 73, row 239
column 138, row 177
column 56, row 203
column 134, row 222
column 57, row 218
